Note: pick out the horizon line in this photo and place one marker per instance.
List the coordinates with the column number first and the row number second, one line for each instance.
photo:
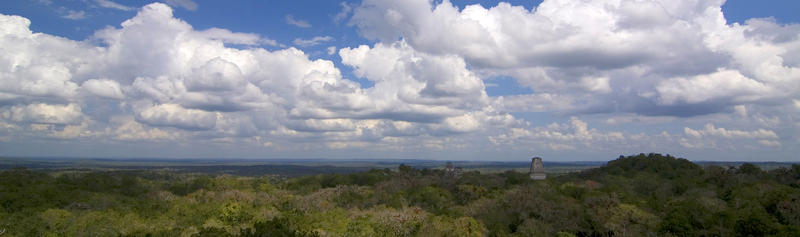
column 354, row 159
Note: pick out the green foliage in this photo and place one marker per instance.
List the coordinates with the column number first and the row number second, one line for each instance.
column 352, row 196
column 641, row 195
column 387, row 221
column 564, row 234
column 663, row 166
column 277, row 227
column 448, row 226
column 57, row 221
column 629, row 220
column 466, row 193
column 233, row 212
column 431, row 198
column 212, row 232
column 750, row 169
column 788, row 211
column 184, row 187
column 514, row 178
column 407, row 170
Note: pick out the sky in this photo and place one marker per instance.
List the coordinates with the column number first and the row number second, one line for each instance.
column 566, row 80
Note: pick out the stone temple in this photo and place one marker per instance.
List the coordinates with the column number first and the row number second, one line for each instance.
column 450, row 170
column 537, row 169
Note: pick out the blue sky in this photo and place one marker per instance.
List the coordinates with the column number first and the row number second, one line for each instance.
column 475, row 80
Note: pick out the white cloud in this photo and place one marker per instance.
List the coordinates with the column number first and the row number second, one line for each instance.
column 344, row 13
column 113, row 5
column 578, row 136
column 26, row 73
column 541, row 102
column 712, row 131
column 295, row 22
column 652, row 57
column 176, row 116
column 331, row 50
column 724, row 84
column 73, row 131
column 596, row 84
column 713, row 137
column 769, row 143
column 216, row 74
column 415, row 84
column 506, row 35
column 187, row 80
column 103, row 88
column 557, row 136
column 740, row 110
column 229, row 37
column 185, row 4
column 462, row 124
column 633, row 118
column 313, row 41
column 169, row 81
column 129, row 130
column 40, row 127
column 74, row 15
column 45, row 113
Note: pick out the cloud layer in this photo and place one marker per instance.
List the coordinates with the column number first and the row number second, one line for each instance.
column 669, row 56
column 156, row 78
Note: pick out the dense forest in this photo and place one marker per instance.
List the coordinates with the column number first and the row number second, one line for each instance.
column 642, row 195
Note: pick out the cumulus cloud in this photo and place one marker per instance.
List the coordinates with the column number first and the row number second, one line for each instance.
column 512, row 36
column 26, row 73
column 727, row 85
column 415, row 86
column 578, row 136
column 176, row 116
column 73, row 131
column 708, row 137
column 191, row 81
column 557, row 136
column 711, row 131
column 652, row 57
column 45, row 113
column 157, row 78
column 103, row 88
column 129, row 130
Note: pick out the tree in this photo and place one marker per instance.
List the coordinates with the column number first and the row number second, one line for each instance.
column 754, row 221
column 57, row 221
column 629, row 220
column 431, row 198
column 233, row 213
column 748, row 168
column 448, row 226
column 407, row 170
column 789, row 212
column 277, row 227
